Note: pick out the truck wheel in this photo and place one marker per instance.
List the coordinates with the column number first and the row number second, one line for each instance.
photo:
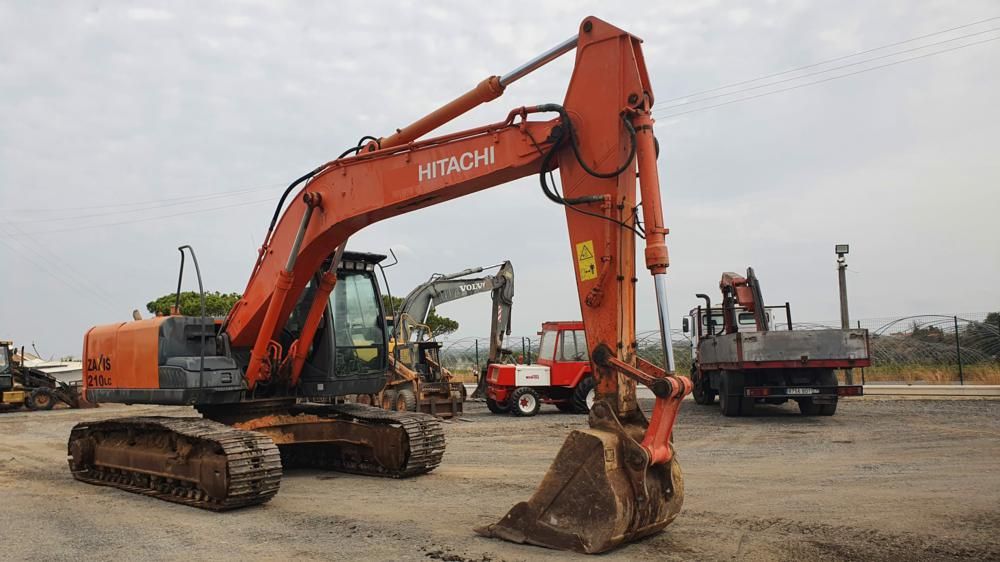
column 703, row 394
column 583, row 395
column 567, row 407
column 524, row 401
column 828, row 378
column 406, row 401
column 41, row 399
column 730, row 405
column 808, row 407
column 496, row 407
column 389, row 400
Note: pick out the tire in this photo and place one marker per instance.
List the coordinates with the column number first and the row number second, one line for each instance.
column 703, row 394
column 730, row 405
column 389, row 400
column 808, row 407
column 525, row 402
column 496, row 407
column 583, row 395
column 365, row 399
column 567, row 407
column 41, row 399
column 406, row 401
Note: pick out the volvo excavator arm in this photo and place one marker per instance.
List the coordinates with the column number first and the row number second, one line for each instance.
column 618, row 480
column 440, row 289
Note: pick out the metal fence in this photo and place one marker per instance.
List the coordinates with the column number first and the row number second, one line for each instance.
column 927, row 348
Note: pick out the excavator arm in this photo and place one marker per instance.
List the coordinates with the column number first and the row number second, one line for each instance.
column 618, row 480
column 440, row 289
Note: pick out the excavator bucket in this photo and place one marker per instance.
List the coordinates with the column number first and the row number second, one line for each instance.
column 600, row 492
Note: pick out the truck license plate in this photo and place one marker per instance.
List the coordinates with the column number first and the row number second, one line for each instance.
column 801, row 391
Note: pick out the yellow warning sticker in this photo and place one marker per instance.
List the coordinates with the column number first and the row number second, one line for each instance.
column 587, row 264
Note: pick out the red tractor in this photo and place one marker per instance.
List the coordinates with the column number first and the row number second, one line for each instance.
column 561, row 377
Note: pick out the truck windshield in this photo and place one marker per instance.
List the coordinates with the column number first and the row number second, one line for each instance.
column 547, row 347
column 357, row 326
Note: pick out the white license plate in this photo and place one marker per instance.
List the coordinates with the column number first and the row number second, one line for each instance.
column 801, row 391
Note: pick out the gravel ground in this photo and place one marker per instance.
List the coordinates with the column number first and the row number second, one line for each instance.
column 882, row 480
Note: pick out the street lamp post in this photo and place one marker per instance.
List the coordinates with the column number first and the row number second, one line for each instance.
column 845, row 319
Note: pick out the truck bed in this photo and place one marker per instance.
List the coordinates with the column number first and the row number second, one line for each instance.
column 830, row 348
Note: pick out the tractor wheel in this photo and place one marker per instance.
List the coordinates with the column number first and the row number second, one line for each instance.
column 365, row 399
column 583, row 395
column 41, row 399
column 496, row 407
column 406, row 401
column 524, row 401
column 389, row 400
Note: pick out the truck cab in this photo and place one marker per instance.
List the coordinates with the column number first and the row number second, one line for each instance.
column 560, row 377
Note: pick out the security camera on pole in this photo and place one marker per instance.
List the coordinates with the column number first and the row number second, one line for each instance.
column 845, row 320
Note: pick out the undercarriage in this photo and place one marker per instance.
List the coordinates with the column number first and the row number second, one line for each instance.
column 234, row 457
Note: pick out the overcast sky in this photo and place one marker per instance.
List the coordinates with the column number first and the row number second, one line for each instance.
column 129, row 129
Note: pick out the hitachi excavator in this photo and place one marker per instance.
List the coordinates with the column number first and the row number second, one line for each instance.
column 417, row 381
column 614, row 482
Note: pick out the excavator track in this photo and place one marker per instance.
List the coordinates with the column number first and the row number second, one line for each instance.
column 191, row 461
column 419, row 436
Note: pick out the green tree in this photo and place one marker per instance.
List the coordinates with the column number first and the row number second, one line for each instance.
column 439, row 325
column 216, row 303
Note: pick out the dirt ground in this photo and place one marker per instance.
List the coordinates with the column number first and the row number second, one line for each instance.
column 882, row 480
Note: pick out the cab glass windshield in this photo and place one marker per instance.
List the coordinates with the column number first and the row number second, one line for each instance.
column 357, row 324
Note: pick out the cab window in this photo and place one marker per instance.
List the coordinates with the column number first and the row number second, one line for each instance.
column 547, row 346
column 717, row 321
column 357, row 326
column 3, row 359
column 573, row 346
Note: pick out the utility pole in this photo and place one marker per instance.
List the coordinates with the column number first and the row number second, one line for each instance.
column 845, row 319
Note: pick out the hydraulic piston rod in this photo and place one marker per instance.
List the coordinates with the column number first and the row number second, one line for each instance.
column 487, row 90
column 663, row 312
column 538, row 62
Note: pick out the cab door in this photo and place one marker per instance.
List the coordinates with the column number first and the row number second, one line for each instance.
column 572, row 359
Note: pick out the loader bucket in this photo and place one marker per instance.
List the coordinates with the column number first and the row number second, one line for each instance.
column 591, row 501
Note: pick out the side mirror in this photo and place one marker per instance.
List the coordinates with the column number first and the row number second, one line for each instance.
column 686, row 324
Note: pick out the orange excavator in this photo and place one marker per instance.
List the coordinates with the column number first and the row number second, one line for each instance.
column 310, row 323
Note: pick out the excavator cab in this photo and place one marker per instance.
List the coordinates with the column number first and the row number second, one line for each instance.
column 349, row 354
